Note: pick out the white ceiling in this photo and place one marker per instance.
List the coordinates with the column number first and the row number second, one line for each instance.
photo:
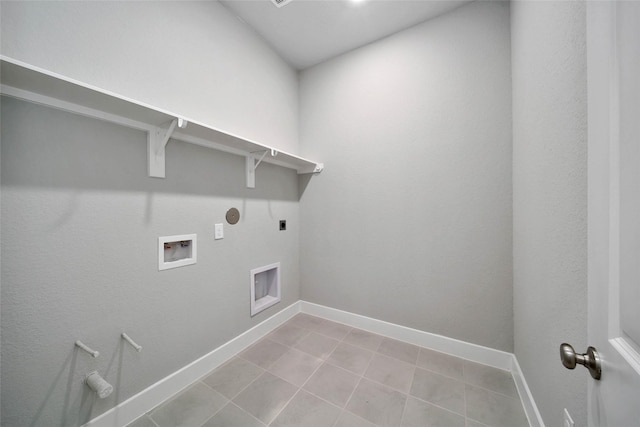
column 307, row 32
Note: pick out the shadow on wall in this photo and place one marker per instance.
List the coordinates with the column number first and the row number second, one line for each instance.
column 67, row 378
column 70, row 377
column 80, row 223
column 303, row 183
column 88, row 154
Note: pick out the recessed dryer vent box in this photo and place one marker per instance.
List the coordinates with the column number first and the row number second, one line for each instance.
column 265, row 287
column 177, row 251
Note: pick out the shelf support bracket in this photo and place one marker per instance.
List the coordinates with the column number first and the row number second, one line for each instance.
column 157, row 140
column 252, row 165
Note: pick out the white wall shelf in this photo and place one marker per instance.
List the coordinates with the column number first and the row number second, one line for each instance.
column 27, row 82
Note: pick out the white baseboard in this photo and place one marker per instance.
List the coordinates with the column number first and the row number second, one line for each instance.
column 473, row 352
column 136, row 406
column 141, row 403
column 476, row 353
column 530, row 408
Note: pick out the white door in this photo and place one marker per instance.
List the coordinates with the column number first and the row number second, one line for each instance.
column 613, row 51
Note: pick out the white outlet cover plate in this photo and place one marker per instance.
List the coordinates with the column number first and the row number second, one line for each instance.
column 219, row 232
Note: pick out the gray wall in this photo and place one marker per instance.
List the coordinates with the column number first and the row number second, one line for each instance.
column 192, row 58
column 411, row 220
column 80, row 222
column 80, row 218
column 550, row 200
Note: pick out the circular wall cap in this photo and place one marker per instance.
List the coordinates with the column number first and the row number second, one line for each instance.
column 233, row 216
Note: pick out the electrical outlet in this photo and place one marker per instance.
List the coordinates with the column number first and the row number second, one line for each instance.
column 283, row 224
column 567, row 420
column 219, row 232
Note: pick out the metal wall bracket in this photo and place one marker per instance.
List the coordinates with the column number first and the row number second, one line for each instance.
column 157, row 139
column 252, row 165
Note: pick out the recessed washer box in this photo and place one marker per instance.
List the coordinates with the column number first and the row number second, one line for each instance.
column 177, row 251
column 265, row 287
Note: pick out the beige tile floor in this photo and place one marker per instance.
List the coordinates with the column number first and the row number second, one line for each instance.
column 311, row 372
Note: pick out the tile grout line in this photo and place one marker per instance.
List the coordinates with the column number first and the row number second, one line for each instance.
column 245, row 360
column 199, row 380
column 404, row 407
column 349, row 399
column 349, row 329
column 481, row 424
column 230, row 400
column 321, row 398
column 463, row 380
column 405, row 342
column 300, row 388
column 346, row 403
column 251, row 382
column 284, row 407
column 385, row 386
column 408, row 394
column 410, row 388
column 216, row 391
column 358, row 385
column 242, row 389
column 437, row 406
column 231, row 403
column 247, row 412
column 148, row 415
column 264, row 370
column 375, row 350
column 331, row 321
column 415, row 365
column 308, row 332
column 265, row 337
column 464, row 398
column 294, row 394
column 464, row 393
column 493, row 391
column 441, row 374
